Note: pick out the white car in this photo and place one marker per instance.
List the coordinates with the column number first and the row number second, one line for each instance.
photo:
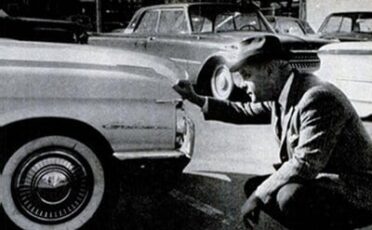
column 68, row 114
column 349, row 66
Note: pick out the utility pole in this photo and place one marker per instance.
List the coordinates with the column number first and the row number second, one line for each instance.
column 98, row 16
column 303, row 11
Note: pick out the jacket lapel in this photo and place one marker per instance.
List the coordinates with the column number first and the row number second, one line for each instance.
column 288, row 99
column 277, row 122
column 286, row 121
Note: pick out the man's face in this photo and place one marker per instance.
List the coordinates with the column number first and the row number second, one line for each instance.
column 260, row 83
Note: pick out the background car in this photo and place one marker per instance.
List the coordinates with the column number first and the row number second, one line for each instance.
column 194, row 34
column 70, row 116
column 291, row 26
column 348, row 66
column 347, row 26
column 37, row 29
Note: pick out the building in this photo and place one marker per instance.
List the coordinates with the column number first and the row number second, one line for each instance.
column 117, row 13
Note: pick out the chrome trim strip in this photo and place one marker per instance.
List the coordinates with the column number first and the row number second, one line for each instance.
column 304, row 61
column 353, row 80
column 346, row 52
column 137, row 155
column 186, row 61
column 303, row 51
column 360, row 101
column 172, row 101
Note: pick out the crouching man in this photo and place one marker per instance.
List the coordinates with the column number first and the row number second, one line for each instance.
column 324, row 179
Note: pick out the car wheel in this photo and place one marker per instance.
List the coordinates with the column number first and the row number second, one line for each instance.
column 222, row 85
column 52, row 182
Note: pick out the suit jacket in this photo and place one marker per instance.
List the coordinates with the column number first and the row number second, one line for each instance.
column 321, row 137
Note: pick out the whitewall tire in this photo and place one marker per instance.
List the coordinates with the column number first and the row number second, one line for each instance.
column 52, row 182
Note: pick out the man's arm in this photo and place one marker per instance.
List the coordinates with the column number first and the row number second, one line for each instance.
column 322, row 118
column 227, row 111
column 238, row 112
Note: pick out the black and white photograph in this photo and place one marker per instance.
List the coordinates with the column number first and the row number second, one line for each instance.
column 186, row 114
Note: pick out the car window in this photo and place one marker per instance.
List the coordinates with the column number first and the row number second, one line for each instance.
column 346, row 25
column 147, row 23
column 225, row 22
column 365, row 25
column 238, row 21
column 249, row 22
column 223, row 18
column 332, row 25
column 338, row 24
column 201, row 24
column 291, row 27
column 172, row 22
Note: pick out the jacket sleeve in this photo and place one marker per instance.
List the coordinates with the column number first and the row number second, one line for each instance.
column 322, row 117
column 238, row 112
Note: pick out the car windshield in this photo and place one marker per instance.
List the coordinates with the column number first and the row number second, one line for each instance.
column 291, row 27
column 224, row 18
column 288, row 25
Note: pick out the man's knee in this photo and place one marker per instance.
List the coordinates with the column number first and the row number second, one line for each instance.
column 288, row 198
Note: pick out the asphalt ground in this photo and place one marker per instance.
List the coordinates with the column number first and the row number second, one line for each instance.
column 209, row 194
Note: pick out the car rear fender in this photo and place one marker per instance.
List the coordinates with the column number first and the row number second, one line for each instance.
column 207, row 68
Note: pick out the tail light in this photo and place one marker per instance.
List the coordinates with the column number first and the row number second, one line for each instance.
column 185, row 132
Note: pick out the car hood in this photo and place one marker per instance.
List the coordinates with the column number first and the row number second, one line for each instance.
column 127, row 74
column 348, row 48
column 293, row 42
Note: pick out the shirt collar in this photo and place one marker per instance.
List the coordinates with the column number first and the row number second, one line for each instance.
column 284, row 94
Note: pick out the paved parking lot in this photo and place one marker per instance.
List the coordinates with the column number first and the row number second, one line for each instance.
column 209, row 194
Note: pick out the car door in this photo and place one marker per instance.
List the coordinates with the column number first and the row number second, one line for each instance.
column 145, row 28
column 135, row 37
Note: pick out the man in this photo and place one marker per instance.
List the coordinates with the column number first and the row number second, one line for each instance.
column 324, row 180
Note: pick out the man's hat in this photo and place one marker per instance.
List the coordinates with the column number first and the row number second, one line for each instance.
column 255, row 50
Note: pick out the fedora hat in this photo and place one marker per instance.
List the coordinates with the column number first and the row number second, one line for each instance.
column 255, row 50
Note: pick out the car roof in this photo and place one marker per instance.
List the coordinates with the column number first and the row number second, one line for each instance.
column 350, row 13
column 192, row 4
column 282, row 17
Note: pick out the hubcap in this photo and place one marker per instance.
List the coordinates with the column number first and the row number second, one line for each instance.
column 52, row 186
column 222, row 84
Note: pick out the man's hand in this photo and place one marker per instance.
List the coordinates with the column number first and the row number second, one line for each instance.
column 186, row 90
column 250, row 211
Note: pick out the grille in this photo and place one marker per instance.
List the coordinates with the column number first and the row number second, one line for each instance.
column 304, row 60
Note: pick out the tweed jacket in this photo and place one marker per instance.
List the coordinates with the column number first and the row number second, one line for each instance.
column 321, row 137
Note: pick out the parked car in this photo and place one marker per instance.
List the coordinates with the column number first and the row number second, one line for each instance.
column 37, row 29
column 347, row 26
column 194, row 34
column 68, row 115
column 290, row 25
column 348, row 65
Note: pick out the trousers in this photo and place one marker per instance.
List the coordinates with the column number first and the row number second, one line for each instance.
column 305, row 205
